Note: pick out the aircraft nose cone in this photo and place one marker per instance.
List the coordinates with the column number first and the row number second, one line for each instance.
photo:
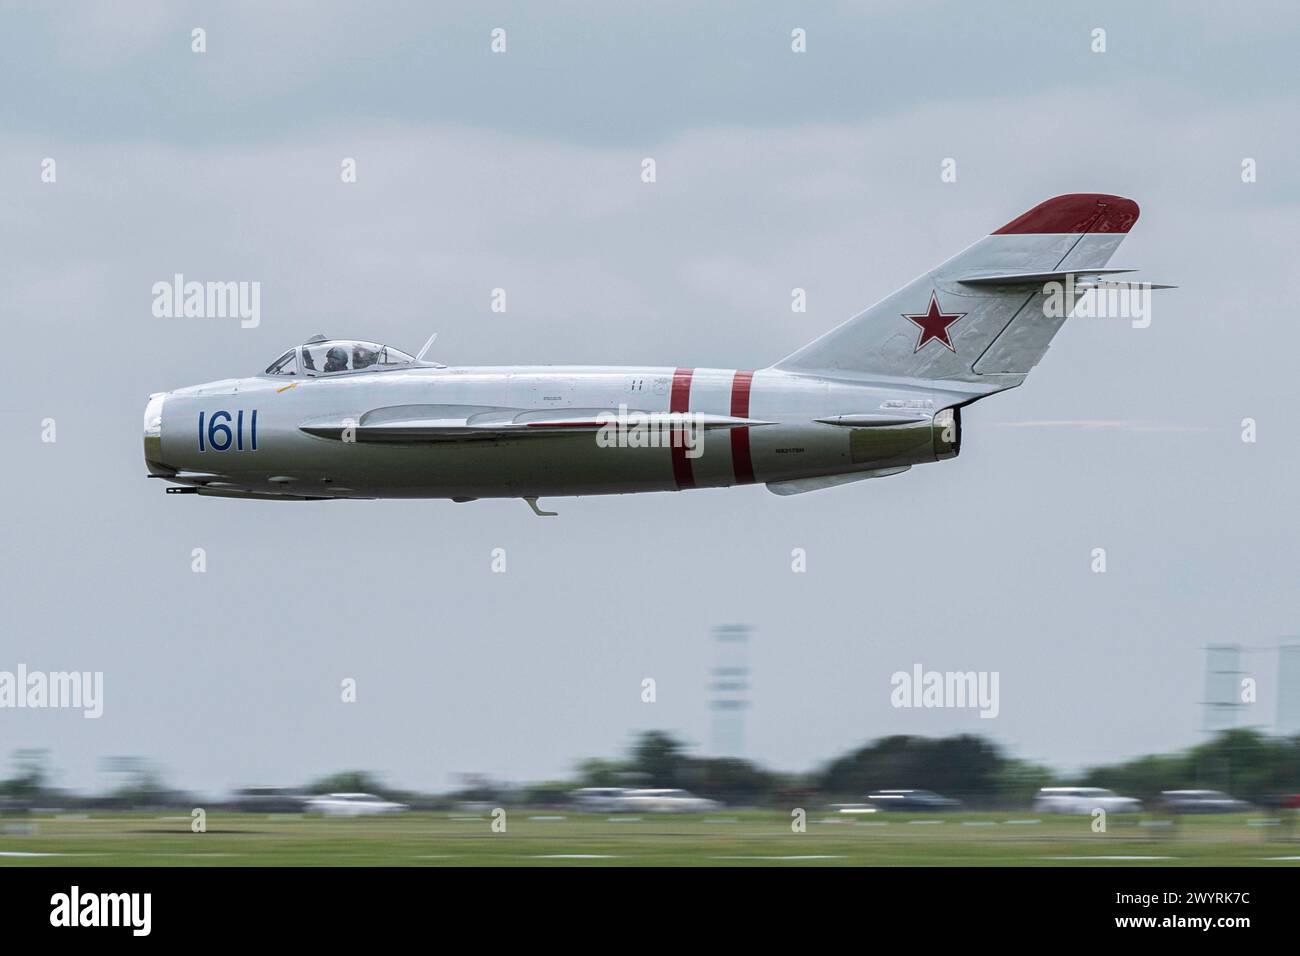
column 153, row 413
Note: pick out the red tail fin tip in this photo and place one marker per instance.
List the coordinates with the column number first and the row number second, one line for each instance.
column 1076, row 213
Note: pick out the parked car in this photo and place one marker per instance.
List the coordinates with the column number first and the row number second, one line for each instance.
column 1083, row 800
column 352, row 805
column 1201, row 801
column 912, row 801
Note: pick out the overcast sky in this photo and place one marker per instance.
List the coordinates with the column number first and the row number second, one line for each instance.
column 775, row 170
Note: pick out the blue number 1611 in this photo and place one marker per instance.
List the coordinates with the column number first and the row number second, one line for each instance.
column 222, row 430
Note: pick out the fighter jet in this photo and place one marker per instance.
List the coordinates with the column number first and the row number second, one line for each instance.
column 338, row 418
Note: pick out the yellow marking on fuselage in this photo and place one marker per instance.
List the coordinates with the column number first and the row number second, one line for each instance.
column 286, row 388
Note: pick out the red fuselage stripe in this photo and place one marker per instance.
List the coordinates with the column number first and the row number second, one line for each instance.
column 680, row 401
column 742, row 462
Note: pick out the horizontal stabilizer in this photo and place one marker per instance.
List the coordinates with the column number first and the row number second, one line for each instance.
column 1134, row 286
column 1082, row 280
column 1034, row 278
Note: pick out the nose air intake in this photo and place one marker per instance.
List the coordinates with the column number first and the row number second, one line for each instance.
column 153, row 436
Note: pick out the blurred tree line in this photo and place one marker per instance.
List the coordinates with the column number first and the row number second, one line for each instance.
column 138, row 785
column 1243, row 762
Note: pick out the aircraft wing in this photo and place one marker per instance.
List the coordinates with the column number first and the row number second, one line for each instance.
column 428, row 423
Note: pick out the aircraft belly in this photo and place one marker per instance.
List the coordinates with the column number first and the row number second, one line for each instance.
column 554, row 465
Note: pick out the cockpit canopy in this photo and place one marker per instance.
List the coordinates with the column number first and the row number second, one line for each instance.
column 322, row 356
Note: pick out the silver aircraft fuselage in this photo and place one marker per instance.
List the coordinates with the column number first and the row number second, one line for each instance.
column 246, row 437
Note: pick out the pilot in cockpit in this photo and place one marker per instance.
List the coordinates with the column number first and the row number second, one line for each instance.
column 336, row 360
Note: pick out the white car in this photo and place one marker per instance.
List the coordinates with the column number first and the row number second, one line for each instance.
column 667, row 801
column 352, row 805
column 1083, row 800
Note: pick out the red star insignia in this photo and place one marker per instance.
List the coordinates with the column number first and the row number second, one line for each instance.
column 934, row 324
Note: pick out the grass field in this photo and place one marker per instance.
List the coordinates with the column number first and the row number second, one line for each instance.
column 559, row 838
